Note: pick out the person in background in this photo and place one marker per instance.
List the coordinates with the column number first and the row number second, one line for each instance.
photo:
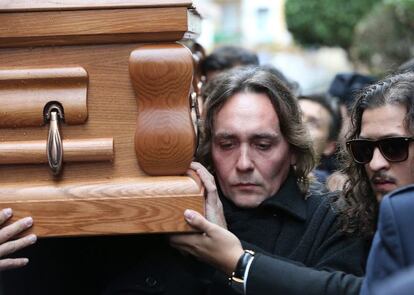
column 222, row 59
column 260, row 154
column 226, row 57
column 345, row 86
column 322, row 117
column 8, row 246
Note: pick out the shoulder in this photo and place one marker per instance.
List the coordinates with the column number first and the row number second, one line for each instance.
column 396, row 214
column 398, row 206
column 401, row 197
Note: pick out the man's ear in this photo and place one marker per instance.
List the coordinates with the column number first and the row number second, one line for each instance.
column 330, row 148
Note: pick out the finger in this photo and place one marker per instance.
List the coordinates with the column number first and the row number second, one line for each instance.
column 204, row 174
column 198, row 222
column 211, row 187
column 15, row 228
column 12, row 263
column 206, row 178
column 13, row 246
column 5, row 215
column 195, row 165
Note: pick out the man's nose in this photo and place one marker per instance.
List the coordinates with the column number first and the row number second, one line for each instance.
column 244, row 162
column 378, row 162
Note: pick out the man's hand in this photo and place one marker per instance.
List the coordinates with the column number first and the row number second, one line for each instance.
column 216, row 246
column 7, row 247
column 214, row 207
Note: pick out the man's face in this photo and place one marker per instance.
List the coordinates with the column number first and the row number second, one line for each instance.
column 251, row 157
column 382, row 122
column 318, row 120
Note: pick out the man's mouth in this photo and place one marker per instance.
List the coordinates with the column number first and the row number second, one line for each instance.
column 383, row 185
column 245, row 185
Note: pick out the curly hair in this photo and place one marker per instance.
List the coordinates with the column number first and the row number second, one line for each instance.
column 358, row 206
column 256, row 80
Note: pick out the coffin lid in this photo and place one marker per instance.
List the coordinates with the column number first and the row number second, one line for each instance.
column 32, row 23
column 44, row 5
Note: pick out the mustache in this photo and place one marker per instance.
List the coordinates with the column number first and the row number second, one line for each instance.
column 381, row 176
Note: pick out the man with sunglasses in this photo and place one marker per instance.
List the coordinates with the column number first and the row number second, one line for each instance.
column 382, row 156
column 381, row 151
column 393, row 149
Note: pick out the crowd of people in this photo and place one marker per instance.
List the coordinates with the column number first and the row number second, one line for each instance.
column 305, row 194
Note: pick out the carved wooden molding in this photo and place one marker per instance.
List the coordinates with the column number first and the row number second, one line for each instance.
column 121, row 206
column 74, row 150
column 24, row 93
column 161, row 75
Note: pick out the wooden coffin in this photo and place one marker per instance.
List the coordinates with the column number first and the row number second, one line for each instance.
column 96, row 133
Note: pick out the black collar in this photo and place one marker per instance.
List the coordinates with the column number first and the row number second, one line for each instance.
column 289, row 199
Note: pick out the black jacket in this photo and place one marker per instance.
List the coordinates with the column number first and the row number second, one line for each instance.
column 136, row 264
column 300, row 250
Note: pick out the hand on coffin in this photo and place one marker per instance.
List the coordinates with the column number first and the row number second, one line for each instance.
column 8, row 246
column 216, row 246
column 214, row 207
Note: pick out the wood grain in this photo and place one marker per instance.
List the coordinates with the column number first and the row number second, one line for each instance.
column 112, row 110
column 74, row 150
column 24, row 93
column 161, row 76
column 112, row 113
column 30, row 5
column 95, row 26
column 122, row 206
column 112, row 197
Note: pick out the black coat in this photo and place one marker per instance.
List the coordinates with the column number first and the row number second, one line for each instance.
column 300, row 249
column 140, row 264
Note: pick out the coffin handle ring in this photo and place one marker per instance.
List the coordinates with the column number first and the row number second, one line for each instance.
column 54, row 146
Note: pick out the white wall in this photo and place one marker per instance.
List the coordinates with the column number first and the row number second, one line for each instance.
column 263, row 22
column 211, row 14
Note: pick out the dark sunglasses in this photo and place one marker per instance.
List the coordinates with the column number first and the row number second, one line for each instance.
column 393, row 149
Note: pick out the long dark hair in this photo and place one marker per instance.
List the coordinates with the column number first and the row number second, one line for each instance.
column 359, row 207
column 256, row 80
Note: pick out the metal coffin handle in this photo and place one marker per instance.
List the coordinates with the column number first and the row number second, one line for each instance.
column 54, row 146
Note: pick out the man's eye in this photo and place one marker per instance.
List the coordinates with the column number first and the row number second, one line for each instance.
column 226, row 145
column 263, row 146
